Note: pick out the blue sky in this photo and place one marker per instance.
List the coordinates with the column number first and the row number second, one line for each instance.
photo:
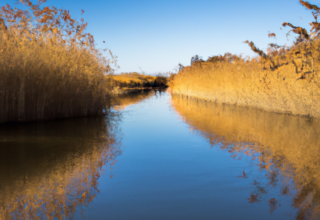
column 155, row 35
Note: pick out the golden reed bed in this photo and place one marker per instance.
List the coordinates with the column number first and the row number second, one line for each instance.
column 286, row 79
column 248, row 84
column 49, row 66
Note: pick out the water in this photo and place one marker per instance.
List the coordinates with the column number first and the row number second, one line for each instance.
column 159, row 157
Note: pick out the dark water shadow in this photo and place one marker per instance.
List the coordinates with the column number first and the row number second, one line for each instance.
column 49, row 169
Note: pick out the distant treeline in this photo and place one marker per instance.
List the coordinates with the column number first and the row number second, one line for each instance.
column 283, row 79
column 49, row 66
column 126, row 82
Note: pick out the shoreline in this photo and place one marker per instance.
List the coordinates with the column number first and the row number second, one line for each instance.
column 274, row 91
column 124, row 91
column 216, row 102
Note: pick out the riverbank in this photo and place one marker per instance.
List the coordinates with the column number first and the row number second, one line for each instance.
column 285, row 79
column 250, row 84
column 49, row 67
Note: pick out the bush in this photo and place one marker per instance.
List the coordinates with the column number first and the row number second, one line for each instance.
column 160, row 81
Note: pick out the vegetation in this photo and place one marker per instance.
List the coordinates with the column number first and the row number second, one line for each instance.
column 49, row 67
column 283, row 79
column 284, row 148
column 131, row 82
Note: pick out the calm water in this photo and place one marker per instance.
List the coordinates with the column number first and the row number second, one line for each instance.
column 162, row 157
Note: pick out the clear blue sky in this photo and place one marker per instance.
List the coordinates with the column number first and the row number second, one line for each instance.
column 156, row 35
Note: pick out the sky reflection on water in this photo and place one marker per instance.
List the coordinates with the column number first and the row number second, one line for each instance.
column 169, row 170
column 170, row 158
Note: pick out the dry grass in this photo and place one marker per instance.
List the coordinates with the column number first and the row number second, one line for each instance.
column 285, row 79
column 49, row 67
column 131, row 82
column 250, row 84
column 286, row 147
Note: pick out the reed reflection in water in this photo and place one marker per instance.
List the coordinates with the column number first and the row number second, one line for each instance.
column 124, row 100
column 49, row 169
column 286, row 149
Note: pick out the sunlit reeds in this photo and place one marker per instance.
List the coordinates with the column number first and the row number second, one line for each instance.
column 133, row 82
column 283, row 79
column 126, row 82
column 248, row 84
column 49, row 67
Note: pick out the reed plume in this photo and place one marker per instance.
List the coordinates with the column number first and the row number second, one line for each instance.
column 49, row 66
column 303, row 33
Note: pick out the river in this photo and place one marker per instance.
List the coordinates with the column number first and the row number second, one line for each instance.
column 162, row 157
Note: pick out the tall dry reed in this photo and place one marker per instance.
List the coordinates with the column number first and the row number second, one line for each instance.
column 285, row 79
column 49, row 67
column 249, row 84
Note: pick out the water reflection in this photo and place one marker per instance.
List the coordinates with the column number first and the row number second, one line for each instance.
column 124, row 100
column 48, row 170
column 286, row 149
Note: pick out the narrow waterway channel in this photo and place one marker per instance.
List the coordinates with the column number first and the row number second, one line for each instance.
column 162, row 157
